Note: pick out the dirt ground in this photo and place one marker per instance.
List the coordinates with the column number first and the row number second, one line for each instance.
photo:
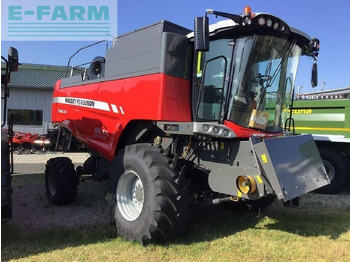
column 33, row 212
column 31, row 209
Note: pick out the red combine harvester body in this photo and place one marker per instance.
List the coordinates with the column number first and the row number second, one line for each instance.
column 176, row 119
column 157, row 96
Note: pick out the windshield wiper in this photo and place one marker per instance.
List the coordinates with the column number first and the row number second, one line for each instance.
column 266, row 80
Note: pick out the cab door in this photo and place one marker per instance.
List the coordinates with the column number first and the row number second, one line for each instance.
column 211, row 81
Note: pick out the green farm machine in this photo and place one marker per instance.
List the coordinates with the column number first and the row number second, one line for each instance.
column 326, row 115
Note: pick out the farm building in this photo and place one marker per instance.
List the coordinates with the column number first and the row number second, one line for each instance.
column 31, row 89
column 339, row 93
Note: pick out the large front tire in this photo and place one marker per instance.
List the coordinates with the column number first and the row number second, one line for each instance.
column 61, row 181
column 150, row 197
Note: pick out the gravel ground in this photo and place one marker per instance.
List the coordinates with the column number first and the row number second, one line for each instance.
column 35, row 163
column 312, row 202
column 43, row 157
column 33, row 212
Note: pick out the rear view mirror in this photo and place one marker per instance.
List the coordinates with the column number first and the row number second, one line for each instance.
column 13, row 59
column 314, row 75
column 201, row 34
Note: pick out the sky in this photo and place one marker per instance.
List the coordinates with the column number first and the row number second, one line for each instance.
column 329, row 21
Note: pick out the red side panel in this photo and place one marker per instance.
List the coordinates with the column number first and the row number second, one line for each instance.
column 156, row 97
column 98, row 113
column 73, row 111
column 54, row 105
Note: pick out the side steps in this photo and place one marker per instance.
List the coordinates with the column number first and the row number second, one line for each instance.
column 95, row 166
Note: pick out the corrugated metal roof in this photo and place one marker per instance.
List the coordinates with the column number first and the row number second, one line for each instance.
column 343, row 90
column 37, row 76
column 339, row 93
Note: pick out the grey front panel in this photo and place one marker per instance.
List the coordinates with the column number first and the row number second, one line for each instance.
column 227, row 161
column 292, row 165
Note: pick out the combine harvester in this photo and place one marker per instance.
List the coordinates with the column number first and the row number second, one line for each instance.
column 176, row 119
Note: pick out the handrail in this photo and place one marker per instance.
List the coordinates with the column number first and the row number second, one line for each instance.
column 96, row 43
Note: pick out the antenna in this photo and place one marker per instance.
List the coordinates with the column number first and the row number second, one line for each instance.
column 111, row 35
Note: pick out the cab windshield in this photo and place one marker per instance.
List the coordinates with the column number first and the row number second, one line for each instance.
column 247, row 81
column 264, row 70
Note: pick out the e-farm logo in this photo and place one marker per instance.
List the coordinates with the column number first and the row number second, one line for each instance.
column 52, row 20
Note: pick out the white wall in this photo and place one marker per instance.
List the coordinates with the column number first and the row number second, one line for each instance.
column 31, row 99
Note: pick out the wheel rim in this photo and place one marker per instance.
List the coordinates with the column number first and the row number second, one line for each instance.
column 329, row 169
column 130, row 195
column 52, row 183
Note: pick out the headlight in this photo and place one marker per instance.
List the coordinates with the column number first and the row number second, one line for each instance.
column 41, row 142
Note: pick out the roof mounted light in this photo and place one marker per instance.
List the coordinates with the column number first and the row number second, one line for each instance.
column 315, row 44
column 247, row 11
column 269, row 22
column 261, row 21
column 247, row 16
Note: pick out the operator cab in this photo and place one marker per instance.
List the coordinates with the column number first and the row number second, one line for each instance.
column 245, row 69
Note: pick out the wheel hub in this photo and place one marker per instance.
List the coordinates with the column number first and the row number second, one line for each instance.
column 130, row 195
column 138, row 193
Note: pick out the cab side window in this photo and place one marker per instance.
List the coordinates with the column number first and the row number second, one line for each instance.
column 213, row 69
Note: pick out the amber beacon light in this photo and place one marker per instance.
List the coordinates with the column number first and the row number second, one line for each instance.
column 247, row 11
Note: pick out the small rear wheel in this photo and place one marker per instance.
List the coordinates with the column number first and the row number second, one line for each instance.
column 61, row 181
